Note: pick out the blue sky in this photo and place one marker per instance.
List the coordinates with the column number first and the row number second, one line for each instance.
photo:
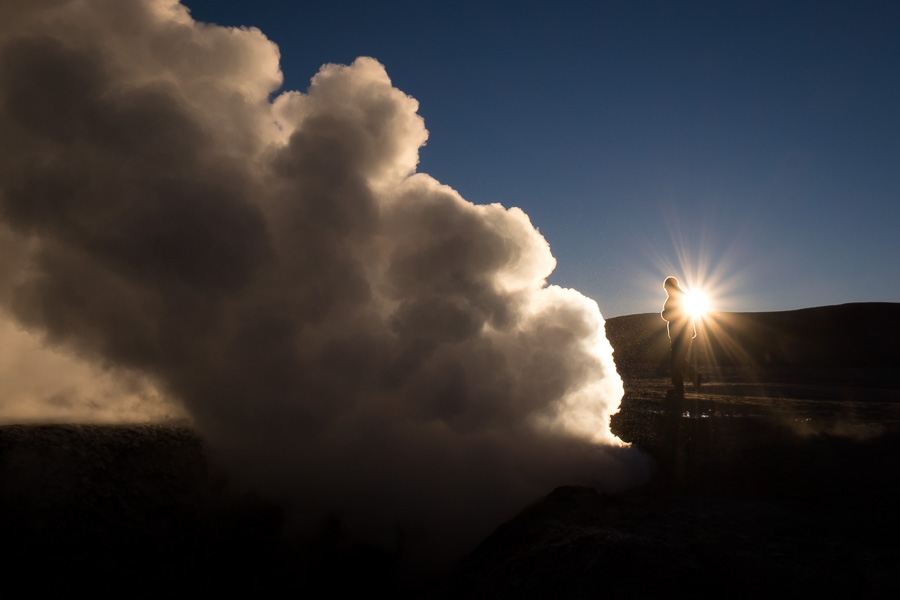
column 751, row 147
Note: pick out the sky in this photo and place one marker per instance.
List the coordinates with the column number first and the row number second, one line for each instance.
column 749, row 148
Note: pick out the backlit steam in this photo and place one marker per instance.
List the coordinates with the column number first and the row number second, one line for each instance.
column 352, row 339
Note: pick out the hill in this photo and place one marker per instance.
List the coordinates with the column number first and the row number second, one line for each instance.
column 858, row 335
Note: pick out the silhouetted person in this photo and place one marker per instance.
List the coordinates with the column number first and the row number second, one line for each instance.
column 680, row 325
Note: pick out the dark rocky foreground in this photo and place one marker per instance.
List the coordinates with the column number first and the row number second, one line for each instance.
column 742, row 505
column 779, row 478
column 101, row 507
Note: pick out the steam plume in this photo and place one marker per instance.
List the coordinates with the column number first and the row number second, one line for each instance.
column 352, row 338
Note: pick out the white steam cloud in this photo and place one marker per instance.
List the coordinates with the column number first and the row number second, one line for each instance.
column 352, row 338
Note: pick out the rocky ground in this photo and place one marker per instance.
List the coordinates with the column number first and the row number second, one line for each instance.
column 97, row 507
column 755, row 495
column 779, row 478
column 775, row 479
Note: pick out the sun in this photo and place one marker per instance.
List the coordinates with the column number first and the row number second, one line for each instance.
column 696, row 303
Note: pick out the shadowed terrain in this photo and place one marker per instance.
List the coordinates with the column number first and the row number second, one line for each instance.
column 858, row 335
column 777, row 476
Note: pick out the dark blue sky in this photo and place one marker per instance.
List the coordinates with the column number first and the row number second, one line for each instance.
column 751, row 145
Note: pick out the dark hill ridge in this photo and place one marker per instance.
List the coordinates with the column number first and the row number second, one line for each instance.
column 858, row 335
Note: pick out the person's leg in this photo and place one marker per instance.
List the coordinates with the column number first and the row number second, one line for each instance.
column 693, row 374
column 690, row 369
column 679, row 358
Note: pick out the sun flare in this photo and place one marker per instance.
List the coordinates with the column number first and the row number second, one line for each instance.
column 697, row 303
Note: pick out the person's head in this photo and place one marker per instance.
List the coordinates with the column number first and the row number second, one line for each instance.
column 671, row 285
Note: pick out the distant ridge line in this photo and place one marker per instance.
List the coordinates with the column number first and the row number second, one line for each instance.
column 768, row 312
column 854, row 334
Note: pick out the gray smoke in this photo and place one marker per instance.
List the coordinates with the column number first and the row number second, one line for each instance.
column 352, row 338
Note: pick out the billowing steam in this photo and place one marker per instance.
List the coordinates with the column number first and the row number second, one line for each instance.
column 352, row 338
